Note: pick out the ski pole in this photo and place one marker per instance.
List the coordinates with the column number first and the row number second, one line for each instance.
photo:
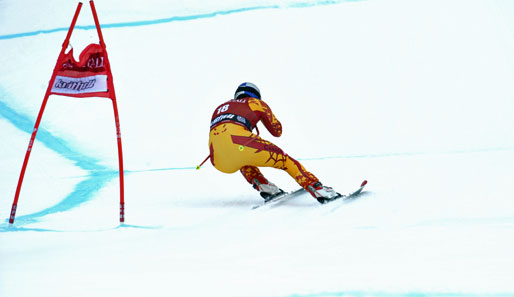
column 241, row 147
column 198, row 167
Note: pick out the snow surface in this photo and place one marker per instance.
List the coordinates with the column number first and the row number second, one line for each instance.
column 417, row 97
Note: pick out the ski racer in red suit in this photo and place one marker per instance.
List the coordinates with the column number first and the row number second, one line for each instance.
column 234, row 147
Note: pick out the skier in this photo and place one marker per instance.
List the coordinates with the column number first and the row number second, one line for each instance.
column 234, row 147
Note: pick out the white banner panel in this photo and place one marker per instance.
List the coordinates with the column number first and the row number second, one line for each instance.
column 80, row 85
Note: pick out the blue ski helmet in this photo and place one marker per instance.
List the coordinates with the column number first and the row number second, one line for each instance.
column 247, row 89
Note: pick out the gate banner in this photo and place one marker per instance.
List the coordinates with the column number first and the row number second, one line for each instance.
column 84, row 78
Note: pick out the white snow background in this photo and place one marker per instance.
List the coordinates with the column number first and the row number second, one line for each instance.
column 417, row 97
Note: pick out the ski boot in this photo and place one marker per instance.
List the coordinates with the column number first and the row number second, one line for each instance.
column 268, row 190
column 322, row 193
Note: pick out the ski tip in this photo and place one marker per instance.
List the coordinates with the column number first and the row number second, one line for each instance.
column 364, row 183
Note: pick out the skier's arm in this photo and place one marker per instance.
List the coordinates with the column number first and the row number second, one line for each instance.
column 267, row 117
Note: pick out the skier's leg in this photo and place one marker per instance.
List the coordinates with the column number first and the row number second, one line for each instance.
column 254, row 177
column 296, row 170
column 262, row 153
column 252, row 173
column 308, row 181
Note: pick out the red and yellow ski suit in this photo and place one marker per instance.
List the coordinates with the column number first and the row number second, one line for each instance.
column 234, row 147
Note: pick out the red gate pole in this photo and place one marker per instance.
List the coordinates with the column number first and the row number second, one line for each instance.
column 110, row 85
column 40, row 115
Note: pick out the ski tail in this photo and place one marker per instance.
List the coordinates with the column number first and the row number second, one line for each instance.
column 280, row 197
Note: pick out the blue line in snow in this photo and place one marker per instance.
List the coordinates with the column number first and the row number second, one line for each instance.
column 84, row 191
column 407, row 294
column 178, row 18
column 140, row 23
column 160, row 169
column 409, row 154
column 16, row 228
column 55, row 143
column 363, row 156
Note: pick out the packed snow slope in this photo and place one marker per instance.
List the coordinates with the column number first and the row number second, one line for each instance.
column 417, row 97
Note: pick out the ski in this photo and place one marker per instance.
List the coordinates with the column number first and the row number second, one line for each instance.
column 351, row 195
column 280, row 197
column 289, row 195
